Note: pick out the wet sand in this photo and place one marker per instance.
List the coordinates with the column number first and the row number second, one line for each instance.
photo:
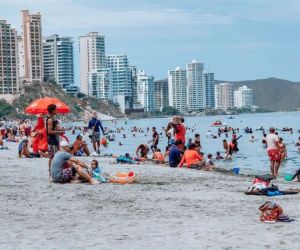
column 167, row 209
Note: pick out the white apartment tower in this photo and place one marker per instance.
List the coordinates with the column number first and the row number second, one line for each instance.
column 100, row 84
column 209, row 80
column 9, row 79
column 243, row 97
column 145, row 90
column 92, row 57
column 177, row 84
column 58, row 60
column 31, row 63
column 195, row 86
column 224, row 96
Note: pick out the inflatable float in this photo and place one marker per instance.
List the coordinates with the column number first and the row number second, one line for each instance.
column 123, row 178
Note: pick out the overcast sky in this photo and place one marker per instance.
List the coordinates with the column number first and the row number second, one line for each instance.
column 236, row 39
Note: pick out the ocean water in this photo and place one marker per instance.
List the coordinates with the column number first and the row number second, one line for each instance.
column 252, row 157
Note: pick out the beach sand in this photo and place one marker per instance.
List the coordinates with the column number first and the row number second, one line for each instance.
column 167, row 209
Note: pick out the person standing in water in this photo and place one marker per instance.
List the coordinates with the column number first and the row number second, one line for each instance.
column 273, row 151
column 95, row 125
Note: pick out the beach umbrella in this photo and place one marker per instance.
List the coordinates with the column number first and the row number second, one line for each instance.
column 39, row 106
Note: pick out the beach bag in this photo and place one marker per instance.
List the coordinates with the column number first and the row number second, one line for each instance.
column 270, row 212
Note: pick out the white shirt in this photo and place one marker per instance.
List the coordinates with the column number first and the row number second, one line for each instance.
column 271, row 139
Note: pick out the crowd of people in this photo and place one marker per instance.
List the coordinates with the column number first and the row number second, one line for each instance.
column 48, row 139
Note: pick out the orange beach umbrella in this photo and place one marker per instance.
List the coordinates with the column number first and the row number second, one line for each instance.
column 40, row 106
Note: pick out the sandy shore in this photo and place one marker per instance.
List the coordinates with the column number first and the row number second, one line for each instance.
column 167, row 209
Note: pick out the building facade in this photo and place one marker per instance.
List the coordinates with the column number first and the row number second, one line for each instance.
column 31, row 63
column 161, row 93
column 92, row 57
column 9, row 76
column 224, row 96
column 100, row 84
column 145, row 87
column 209, row 80
column 58, row 60
column 196, row 94
column 243, row 97
column 177, row 84
column 121, row 77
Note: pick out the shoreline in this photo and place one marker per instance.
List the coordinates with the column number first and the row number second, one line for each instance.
column 167, row 209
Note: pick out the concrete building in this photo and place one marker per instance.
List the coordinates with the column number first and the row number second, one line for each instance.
column 195, row 86
column 121, row 77
column 9, row 78
column 243, row 97
column 133, row 76
column 161, row 93
column 100, row 84
column 31, row 48
column 58, row 60
column 224, row 96
column 92, row 57
column 145, row 87
column 177, row 84
column 209, row 80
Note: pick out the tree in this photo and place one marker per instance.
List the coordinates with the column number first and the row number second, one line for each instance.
column 6, row 109
column 168, row 110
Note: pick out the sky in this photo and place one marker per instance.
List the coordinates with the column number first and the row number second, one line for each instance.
column 235, row 39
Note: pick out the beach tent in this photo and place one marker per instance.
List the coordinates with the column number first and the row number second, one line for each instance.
column 39, row 106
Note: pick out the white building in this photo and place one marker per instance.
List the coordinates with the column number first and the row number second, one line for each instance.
column 243, row 97
column 58, row 60
column 195, row 86
column 224, row 96
column 209, row 80
column 92, row 57
column 121, row 76
column 100, row 84
column 177, row 84
column 145, row 90
column 31, row 53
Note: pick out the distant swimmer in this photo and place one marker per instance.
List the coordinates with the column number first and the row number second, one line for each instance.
column 252, row 139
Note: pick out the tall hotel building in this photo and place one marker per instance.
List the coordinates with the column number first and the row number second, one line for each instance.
column 9, row 80
column 145, row 88
column 100, row 84
column 92, row 57
column 161, row 92
column 209, row 80
column 195, row 86
column 224, row 96
column 177, row 84
column 58, row 60
column 243, row 97
column 31, row 61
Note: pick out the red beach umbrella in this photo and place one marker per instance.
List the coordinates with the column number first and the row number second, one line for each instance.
column 40, row 106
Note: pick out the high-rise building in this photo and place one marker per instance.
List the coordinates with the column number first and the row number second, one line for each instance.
column 209, row 80
column 243, row 97
column 92, row 57
column 9, row 79
column 58, row 60
column 177, row 84
column 100, row 84
column 161, row 93
column 145, row 87
column 224, row 95
column 196, row 87
column 121, row 76
column 133, row 76
column 31, row 47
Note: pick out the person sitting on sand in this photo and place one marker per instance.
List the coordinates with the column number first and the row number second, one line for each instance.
column 175, row 153
column 79, row 147
column 192, row 158
column 197, row 141
column 142, row 151
column 23, row 149
column 209, row 165
column 158, row 157
column 64, row 166
column 219, row 156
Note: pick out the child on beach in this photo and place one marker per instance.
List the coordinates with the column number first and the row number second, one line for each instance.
column 158, row 157
column 219, row 156
column 209, row 165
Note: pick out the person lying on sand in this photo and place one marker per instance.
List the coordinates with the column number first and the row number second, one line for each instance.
column 64, row 167
column 79, row 147
column 192, row 158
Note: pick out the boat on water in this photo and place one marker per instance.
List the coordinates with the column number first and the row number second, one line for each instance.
column 218, row 123
column 231, row 117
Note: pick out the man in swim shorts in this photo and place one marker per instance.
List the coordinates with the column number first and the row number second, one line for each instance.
column 273, row 151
